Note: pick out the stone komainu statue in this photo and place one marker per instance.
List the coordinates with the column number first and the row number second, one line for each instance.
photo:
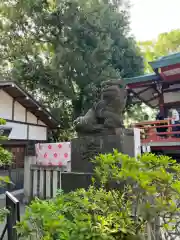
column 105, row 115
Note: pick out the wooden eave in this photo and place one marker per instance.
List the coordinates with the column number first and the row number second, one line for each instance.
column 28, row 102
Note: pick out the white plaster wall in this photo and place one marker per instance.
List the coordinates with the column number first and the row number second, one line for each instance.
column 19, row 130
column 19, row 112
column 171, row 97
column 31, row 118
column 37, row 133
column 6, row 102
column 41, row 123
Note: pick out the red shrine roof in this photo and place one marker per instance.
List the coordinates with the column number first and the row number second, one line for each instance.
column 165, row 80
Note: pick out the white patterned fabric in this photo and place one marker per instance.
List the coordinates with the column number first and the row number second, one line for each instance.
column 55, row 154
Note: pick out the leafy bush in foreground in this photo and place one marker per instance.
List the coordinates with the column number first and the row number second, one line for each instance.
column 5, row 159
column 145, row 192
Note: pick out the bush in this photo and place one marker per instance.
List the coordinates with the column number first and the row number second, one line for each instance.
column 5, row 156
column 145, row 191
column 5, row 159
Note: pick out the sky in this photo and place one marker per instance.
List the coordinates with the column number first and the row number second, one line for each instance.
column 152, row 17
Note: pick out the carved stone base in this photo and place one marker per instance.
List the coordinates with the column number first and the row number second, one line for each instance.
column 83, row 149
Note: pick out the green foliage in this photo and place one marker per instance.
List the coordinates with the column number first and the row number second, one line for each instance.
column 62, row 50
column 5, row 160
column 91, row 214
column 151, row 183
column 165, row 44
column 2, row 121
column 133, row 194
column 3, row 214
column 138, row 112
column 5, row 156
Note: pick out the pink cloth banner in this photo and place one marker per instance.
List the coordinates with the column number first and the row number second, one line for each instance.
column 55, row 154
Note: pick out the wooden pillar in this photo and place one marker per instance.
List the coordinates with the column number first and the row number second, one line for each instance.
column 159, row 86
column 161, row 101
column 161, row 104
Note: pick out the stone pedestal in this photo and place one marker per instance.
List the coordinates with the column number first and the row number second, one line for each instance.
column 83, row 149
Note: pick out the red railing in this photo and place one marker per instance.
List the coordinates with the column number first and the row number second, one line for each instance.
column 149, row 131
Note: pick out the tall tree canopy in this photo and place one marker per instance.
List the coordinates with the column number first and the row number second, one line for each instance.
column 165, row 44
column 62, row 50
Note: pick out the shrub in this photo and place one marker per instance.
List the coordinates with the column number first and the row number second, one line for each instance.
column 5, row 155
column 146, row 189
column 5, row 159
